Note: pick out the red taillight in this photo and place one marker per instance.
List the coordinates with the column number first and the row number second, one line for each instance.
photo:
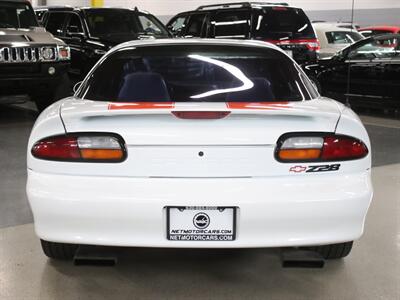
column 339, row 148
column 311, row 44
column 57, row 148
column 281, row 8
column 201, row 115
column 81, row 148
column 319, row 147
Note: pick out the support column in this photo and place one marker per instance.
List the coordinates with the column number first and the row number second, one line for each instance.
column 97, row 3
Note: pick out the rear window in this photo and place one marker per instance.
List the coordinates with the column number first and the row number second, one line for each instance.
column 276, row 23
column 187, row 73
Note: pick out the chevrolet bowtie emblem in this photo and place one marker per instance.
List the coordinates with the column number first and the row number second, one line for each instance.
column 297, row 169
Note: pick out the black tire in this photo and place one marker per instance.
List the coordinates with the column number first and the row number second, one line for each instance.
column 63, row 90
column 333, row 251
column 59, row 250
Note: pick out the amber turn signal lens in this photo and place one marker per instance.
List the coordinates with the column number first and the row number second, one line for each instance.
column 102, row 154
column 299, row 154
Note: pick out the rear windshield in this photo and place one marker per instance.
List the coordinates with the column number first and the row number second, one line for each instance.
column 188, row 73
column 276, row 23
column 104, row 22
column 16, row 15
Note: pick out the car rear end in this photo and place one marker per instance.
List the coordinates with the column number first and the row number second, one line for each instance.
column 289, row 28
column 130, row 162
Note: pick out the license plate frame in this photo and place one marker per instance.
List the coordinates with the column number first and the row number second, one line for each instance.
column 196, row 237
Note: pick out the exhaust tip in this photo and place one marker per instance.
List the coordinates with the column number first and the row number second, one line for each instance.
column 299, row 258
column 95, row 256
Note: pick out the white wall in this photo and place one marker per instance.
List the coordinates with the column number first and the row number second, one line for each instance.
column 69, row 2
column 171, row 7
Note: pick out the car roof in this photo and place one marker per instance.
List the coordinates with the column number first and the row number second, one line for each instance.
column 241, row 5
column 70, row 8
column 235, row 5
column 19, row 1
column 331, row 26
column 381, row 27
column 53, row 7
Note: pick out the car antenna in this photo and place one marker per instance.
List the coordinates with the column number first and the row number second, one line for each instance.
column 349, row 64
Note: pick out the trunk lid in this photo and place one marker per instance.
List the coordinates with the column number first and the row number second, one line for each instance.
column 159, row 144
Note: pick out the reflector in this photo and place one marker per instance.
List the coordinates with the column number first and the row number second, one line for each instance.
column 102, row 154
column 299, row 154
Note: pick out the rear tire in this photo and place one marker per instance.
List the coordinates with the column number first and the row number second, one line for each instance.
column 333, row 251
column 59, row 251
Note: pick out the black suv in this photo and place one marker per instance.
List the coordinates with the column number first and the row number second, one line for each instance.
column 32, row 62
column 91, row 32
column 277, row 23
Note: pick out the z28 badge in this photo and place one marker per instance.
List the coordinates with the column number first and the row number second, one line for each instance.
column 314, row 169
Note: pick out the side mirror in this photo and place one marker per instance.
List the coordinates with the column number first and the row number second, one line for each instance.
column 77, row 86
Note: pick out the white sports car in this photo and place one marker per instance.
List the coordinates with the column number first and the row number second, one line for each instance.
column 198, row 144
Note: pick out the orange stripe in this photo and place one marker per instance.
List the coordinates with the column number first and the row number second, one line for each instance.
column 258, row 105
column 141, row 105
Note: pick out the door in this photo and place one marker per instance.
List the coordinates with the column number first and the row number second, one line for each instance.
column 74, row 38
column 370, row 71
column 392, row 76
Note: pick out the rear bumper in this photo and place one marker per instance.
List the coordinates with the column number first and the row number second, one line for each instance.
column 272, row 212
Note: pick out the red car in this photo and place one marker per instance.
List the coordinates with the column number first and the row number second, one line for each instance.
column 374, row 30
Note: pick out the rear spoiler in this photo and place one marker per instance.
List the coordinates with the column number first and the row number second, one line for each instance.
column 90, row 109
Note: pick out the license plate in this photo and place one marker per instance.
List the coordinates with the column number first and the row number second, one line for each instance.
column 289, row 52
column 192, row 223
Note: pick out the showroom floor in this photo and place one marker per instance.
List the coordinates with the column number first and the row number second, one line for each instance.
column 372, row 271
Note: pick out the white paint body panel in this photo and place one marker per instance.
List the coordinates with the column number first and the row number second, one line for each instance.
column 123, row 204
column 329, row 49
column 124, row 211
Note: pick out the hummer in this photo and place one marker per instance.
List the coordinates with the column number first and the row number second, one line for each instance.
column 33, row 64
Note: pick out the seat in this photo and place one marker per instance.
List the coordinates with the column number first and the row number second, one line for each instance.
column 261, row 91
column 143, row 87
